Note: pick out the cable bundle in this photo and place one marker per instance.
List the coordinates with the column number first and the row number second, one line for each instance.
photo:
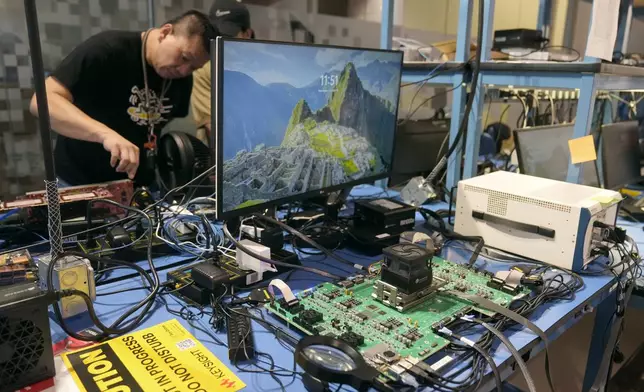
column 208, row 237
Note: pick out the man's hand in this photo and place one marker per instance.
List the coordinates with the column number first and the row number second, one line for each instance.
column 123, row 152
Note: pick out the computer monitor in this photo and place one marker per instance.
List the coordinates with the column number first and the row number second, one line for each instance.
column 297, row 120
column 544, row 152
column 619, row 144
column 417, row 147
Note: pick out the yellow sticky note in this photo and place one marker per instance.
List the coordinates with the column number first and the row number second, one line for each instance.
column 606, row 200
column 582, row 149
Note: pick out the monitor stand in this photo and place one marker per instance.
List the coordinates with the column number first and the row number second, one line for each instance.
column 325, row 230
column 334, row 203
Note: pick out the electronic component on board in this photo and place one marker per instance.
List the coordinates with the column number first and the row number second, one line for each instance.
column 406, row 266
column 385, row 324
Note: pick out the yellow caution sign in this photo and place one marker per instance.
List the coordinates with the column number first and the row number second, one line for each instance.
column 165, row 358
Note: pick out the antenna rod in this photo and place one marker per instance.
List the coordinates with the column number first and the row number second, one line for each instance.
column 51, row 182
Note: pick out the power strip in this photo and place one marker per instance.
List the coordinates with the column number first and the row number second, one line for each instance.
column 241, row 344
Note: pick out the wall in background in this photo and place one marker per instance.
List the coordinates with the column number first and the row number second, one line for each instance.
column 558, row 23
column 66, row 23
column 273, row 23
column 371, row 10
column 63, row 25
column 577, row 13
column 442, row 15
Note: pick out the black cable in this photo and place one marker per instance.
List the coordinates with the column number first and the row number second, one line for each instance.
column 420, row 105
column 106, row 331
column 544, row 47
column 515, row 353
column 534, row 106
column 275, row 262
column 555, row 288
column 476, row 65
column 433, row 75
column 475, row 254
column 186, row 185
column 116, row 328
column 441, row 228
column 565, row 47
column 460, row 340
column 598, row 142
column 166, row 292
column 308, row 240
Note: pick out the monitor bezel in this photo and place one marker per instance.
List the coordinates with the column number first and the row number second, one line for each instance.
column 517, row 145
column 218, row 133
column 621, row 126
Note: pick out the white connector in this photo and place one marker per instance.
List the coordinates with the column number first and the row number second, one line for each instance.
column 249, row 262
column 252, row 231
column 177, row 211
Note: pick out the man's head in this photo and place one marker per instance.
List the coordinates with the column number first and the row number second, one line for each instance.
column 231, row 18
column 182, row 45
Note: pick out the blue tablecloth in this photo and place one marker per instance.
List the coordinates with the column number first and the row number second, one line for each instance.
column 554, row 318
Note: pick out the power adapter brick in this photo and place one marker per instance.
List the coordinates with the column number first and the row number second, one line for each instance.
column 209, row 276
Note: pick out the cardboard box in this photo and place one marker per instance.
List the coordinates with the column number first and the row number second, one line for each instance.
column 448, row 48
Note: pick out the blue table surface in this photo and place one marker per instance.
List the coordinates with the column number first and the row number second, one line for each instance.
column 554, row 317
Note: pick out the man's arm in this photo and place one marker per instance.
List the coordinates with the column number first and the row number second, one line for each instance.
column 68, row 120
column 82, row 68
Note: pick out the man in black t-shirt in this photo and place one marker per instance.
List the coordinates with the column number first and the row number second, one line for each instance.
column 105, row 117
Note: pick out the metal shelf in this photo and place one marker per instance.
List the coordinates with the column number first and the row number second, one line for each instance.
column 416, row 72
column 608, row 77
column 451, row 73
column 588, row 76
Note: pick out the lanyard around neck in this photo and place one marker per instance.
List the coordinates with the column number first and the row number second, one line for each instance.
column 152, row 139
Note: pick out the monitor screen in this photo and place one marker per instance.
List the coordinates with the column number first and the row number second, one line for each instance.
column 417, row 146
column 620, row 154
column 543, row 152
column 295, row 120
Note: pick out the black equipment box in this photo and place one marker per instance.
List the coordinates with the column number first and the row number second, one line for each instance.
column 406, row 266
column 182, row 282
column 270, row 236
column 517, row 38
column 25, row 338
column 385, row 215
column 209, row 276
column 370, row 241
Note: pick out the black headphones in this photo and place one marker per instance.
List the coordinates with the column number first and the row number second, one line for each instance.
column 181, row 157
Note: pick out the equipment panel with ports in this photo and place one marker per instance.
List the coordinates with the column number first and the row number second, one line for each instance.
column 365, row 311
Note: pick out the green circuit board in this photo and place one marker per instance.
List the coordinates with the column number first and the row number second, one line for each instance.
column 349, row 310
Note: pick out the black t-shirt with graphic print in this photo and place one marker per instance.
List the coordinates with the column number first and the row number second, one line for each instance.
column 105, row 76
